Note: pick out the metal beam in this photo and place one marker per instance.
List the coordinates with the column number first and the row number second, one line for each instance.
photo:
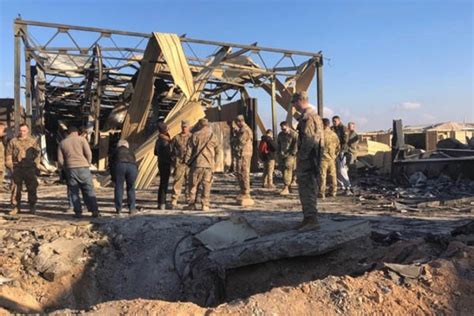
column 28, row 90
column 184, row 39
column 17, row 74
column 319, row 88
column 274, row 104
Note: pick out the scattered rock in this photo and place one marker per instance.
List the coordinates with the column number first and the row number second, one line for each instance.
column 58, row 257
column 19, row 301
column 405, row 270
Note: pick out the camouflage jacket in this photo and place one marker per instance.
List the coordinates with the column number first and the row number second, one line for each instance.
column 2, row 154
column 342, row 133
column 310, row 134
column 331, row 145
column 179, row 146
column 22, row 152
column 353, row 140
column 203, row 149
column 287, row 144
column 244, row 143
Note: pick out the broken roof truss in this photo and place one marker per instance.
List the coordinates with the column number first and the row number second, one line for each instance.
column 86, row 75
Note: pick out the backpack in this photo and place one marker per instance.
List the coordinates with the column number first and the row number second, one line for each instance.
column 263, row 149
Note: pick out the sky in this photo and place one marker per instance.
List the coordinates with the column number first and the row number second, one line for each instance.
column 385, row 60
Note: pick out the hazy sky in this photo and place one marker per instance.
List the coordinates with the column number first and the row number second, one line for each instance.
column 387, row 59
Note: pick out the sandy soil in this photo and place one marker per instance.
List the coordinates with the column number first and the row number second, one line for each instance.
column 127, row 266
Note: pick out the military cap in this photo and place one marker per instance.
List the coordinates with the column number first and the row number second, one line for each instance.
column 203, row 122
column 184, row 123
column 302, row 95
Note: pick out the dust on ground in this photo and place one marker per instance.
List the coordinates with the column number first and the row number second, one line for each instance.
column 125, row 265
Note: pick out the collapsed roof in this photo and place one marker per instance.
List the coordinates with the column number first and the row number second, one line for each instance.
column 124, row 81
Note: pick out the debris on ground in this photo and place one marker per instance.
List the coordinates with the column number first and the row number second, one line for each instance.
column 394, row 262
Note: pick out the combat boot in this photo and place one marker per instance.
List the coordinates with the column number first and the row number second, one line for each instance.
column 247, row 201
column 205, row 208
column 174, row 204
column 308, row 224
column 33, row 209
column 322, row 196
column 14, row 211
column 333, row 194
column 285, row 191
column 190, row 207
column 348, row 192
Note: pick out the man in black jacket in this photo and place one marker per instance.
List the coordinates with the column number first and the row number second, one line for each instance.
column 163, row 152
column 267, row 151
column 123, row 168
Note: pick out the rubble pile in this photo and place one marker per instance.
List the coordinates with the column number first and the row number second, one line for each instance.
column 420, row 194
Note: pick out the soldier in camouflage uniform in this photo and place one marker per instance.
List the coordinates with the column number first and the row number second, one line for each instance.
column 2, row 154
column 179, row 146
column 22, row 158
column 352, row 142
column 310, row 143
column 341, row 162
column 287, row 149
column 201, row 156
column 244, row 151
column 328, row 160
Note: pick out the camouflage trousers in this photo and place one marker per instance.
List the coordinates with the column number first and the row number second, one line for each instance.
column 243, row 174
column 328, row 168
column 268, row 169
column 197, row 177
column 307, row 188
column 181, row 172
column 2, row 174
column 287, row 165
column 28, row 176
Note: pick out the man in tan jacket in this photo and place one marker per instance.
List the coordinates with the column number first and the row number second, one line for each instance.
column 201, row 156
column 310, row 144
column 22, row 159
column 244, row 150
column 179, row 147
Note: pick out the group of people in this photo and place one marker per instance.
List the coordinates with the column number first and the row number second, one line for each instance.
column 193, row 154
column 315, row 150
column 337, row 156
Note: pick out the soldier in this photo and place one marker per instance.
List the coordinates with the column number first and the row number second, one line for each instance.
column 267, row 149
column 201, row 156
column 310, row 143
column 244, row 150
column 2, row 154
column 163, row 151
column 352, row 142
column 178, row 153
column 287, row 149
column 328, row 160
column 341, row 162
column 22, row 159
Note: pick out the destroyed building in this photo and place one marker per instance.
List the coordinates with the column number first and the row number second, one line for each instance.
column 118, row 84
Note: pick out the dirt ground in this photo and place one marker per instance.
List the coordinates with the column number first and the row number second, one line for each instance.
column 127, row 265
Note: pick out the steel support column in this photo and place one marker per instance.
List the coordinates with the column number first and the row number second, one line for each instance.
column 319, row 83
column 28, row 89
column 17, row 75
column 274, row 105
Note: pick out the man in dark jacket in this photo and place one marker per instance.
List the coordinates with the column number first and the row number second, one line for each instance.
column 123, row 168
column 267, row 151
column 163, row 152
